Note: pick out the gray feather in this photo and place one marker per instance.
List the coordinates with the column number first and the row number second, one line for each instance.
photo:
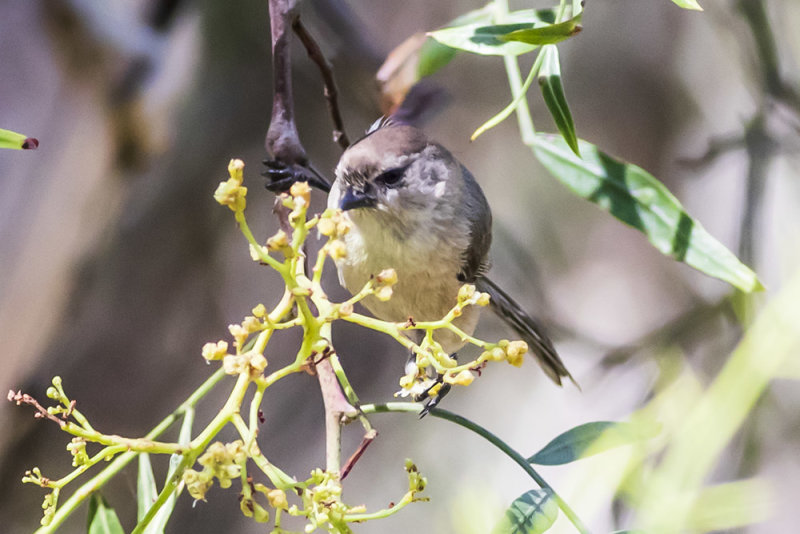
column 475, row 260
column 528, row 328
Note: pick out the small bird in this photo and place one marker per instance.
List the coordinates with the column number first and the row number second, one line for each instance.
column 415, row 208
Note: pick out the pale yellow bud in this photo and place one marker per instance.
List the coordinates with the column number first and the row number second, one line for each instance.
column 387, row 277
column 464, row 378
column 251, row 324
column 516, row 348
column 337, row 250
column 483, row 299
column 326, row 227
column 215, row 351
column 277, row 499
column 466, row 291
column 383, row 293
column 278, row 241
column 301, row 189
column 497, row 354
column 236, row 170
column 342, row 227
column 258, row 362
column 260, row 311
column 406, row 381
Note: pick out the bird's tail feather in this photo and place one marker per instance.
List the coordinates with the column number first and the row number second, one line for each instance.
column 528, row 328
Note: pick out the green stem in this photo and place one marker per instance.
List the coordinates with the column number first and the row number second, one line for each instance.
column 119, row 463
column 515, row 81
column 415, row 408
column 516, row 102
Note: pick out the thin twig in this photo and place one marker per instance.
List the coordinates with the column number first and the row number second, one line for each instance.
column 408, row 407
column 348, row 466
column 331, row 92
column 41, row 412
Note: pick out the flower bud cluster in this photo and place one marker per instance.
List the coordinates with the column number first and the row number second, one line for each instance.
column 251, row 362
column 335, row 226
column 383, row 284
column 468, row 295
column 221, row 461
column 505, row 350
column 231, row 192
column 416, row 482
column 322, row 503
column 215, row 351
column 49, row 505
column 297, row 200
column 77, row 447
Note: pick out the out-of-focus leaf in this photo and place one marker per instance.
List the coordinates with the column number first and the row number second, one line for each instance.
column 399, row 72
column 146, row 491
column 18, row 141
column 635, row 197
column 689, row 4
column 590, row 439
column 731, row 506
column 433, row 56
column 102, row 518
column 474, row 32
column 533, row 512
column 542, row 35
column 553, row 93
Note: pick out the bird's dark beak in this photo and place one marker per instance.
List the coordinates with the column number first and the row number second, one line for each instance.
column 353, row 199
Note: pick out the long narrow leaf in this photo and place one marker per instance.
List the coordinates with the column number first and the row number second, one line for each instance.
column 553, row 94
column 18, row 141
column 533, row 512
column 474, row 32
column 542, row 35
column 689, row 4
column 102, row 518
column 146, row 491
column 159, row 522
column 589, row 439
column 637, row 198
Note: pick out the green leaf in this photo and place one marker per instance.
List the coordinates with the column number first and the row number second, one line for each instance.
column 553, row 93
column 732, row 505
column 532, row 512
column 474, row 32
column 590, row 439
column 159, row 521
column 635, row 197
column 689, row 4
column 549, row 34
column 146, row 491
column 102, row 518
column 433, row 56
column 18, row 141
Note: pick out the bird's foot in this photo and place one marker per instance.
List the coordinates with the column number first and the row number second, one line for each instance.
column 281, row 176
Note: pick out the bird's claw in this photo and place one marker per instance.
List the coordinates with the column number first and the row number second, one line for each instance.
column 281, row 176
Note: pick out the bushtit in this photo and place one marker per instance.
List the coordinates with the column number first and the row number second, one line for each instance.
column 416, row 209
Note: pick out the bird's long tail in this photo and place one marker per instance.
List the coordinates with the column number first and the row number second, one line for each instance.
column 527, row 327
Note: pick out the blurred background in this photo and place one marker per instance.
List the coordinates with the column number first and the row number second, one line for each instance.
column 116, row 264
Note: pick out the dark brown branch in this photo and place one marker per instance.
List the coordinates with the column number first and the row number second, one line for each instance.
column 286, row 161
column 325, row 68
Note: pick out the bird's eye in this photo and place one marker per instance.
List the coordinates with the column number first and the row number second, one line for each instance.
column 391, row 177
